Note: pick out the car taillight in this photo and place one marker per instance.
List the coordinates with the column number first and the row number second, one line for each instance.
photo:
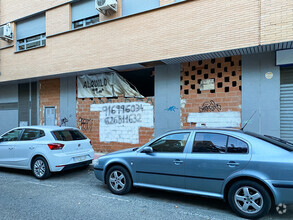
column 91, row 143
column 56, row 146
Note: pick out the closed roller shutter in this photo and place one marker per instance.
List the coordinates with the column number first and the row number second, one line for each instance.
column 286, row 119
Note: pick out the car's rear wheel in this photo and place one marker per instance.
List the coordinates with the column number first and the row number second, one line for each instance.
column 249, row 199
column 40, row 168
column 118, row 180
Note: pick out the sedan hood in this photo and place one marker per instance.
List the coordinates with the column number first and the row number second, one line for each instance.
column 123, row 151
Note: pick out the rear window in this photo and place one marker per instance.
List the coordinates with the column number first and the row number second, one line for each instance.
column 68, row 135
column 273, row 140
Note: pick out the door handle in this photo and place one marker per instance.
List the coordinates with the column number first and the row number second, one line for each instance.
column 177, row 162
column 10, row 148
column 232, row 164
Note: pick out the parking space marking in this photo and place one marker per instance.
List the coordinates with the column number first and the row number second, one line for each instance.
column 108, row 197
column 42, row 184
column 197, row 215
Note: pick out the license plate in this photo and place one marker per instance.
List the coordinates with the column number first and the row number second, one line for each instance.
column 80, row 159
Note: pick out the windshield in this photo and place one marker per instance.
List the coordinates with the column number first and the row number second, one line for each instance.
column 273, row 140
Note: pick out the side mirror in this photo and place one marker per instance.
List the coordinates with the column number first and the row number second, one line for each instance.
column 147, row 150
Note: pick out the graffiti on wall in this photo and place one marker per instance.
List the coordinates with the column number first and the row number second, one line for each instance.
column 210, row 106
column 171, row 109
column 120, row 122
column 85, row 124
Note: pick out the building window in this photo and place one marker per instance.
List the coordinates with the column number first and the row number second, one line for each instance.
column 84, row 13
column 31, row 42
column 86, row 22
column 30, row 32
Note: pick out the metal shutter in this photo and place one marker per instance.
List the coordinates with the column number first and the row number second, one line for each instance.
column 286, row 104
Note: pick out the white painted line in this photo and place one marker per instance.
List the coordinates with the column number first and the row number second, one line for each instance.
column 198, row 215
column 42, row 184
column 114, row 198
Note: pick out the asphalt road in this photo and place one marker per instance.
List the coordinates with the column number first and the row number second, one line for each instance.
column 77, row 194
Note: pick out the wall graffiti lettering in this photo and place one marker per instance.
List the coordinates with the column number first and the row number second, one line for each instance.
column 85, row 124
column 120, row 122
column 123, row 114
column 210, row 106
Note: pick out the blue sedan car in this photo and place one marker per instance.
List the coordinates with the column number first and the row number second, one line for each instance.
column 250, row 171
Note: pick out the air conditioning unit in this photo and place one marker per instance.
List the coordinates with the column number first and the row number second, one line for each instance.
column 6, row 32
column 106, row 7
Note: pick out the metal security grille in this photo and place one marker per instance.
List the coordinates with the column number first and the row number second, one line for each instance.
column 286, row 104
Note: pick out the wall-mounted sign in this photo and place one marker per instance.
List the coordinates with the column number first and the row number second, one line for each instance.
column 104, row 85
column 269, row 75
column 207, row 84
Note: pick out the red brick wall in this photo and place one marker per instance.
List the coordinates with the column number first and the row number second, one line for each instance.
column 92, row 130
column 50, row 97
column 227, row 93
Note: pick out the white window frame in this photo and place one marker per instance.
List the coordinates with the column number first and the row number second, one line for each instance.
column 84, row 20
column 26, row 42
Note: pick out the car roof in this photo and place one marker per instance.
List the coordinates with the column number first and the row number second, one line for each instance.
column 46, row 128
column 210, row 129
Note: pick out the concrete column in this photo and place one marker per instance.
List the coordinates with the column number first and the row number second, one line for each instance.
column 261, row 95
column 167, row 98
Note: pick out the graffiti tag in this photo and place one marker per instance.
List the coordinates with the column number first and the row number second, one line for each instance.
column 85, row 124
column 210, row 106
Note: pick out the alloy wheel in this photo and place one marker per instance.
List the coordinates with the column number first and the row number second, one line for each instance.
column 249, row 200
column 117, row 180
column 39, row 168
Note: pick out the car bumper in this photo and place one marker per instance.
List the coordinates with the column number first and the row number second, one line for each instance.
column 63, row 161
column 283, row 192
column 75, row 165
column 99, row 173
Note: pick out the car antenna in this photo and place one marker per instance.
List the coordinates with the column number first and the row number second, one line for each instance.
column 247, row 121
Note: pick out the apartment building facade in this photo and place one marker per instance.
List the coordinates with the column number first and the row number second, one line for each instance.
column 193, row 63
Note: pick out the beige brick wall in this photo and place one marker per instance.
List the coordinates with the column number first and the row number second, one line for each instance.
column 200, row 27
column 12, row 10
column 276, row 21
column 166, row 2
column 58, row 19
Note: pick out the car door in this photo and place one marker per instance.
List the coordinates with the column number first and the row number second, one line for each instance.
column 213, row 157
column 165, row 165
column 25, row 147
column 8, row 141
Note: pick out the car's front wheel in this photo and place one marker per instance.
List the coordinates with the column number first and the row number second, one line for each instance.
column 40, row 168
column 118, row 180
column 249, row 199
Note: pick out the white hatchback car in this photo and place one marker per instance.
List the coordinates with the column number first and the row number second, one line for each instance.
column 45, row 149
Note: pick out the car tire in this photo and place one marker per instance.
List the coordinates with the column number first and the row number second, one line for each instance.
column 118, row 180
column 40, row 168
column 249, row 199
